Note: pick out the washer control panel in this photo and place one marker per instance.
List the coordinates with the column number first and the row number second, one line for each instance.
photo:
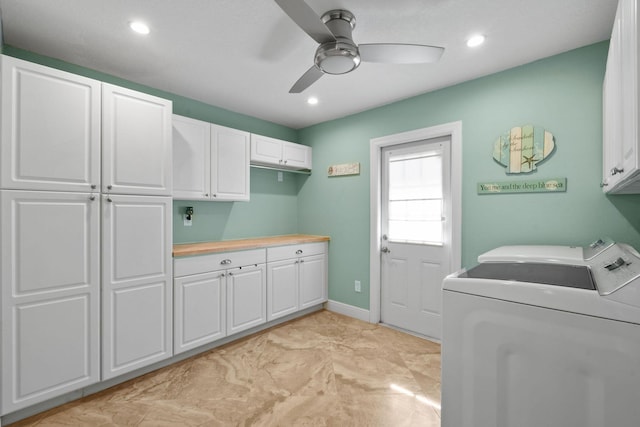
column 614, row 267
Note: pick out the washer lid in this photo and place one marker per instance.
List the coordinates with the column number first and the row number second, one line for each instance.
column 540, row 253
column 571, row 276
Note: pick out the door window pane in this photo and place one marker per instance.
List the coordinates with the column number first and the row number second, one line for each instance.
column 415, row 197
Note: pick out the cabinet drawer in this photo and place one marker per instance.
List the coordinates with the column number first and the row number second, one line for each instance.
column 295, row 251
column 218, row 261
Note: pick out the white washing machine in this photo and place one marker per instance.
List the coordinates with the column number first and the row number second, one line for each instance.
column 543, row 336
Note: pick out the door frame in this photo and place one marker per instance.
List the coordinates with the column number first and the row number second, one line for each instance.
column 453, row 130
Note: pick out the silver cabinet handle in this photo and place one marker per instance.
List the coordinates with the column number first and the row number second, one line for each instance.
column 301, row 261
column 92, row 197
column 385, row 250
column 299, row 251
column 616, row 170
column 225, row 262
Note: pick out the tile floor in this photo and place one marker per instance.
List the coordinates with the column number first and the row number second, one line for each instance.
column 320, row 370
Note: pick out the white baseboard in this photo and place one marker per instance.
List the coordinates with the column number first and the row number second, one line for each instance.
column 348, row 310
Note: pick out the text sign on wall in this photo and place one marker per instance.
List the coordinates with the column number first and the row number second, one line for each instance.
column 550, row 185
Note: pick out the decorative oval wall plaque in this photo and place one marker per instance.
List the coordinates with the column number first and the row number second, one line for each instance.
column 522, row 148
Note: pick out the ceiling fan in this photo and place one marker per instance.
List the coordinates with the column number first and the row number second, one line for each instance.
column 338, row 53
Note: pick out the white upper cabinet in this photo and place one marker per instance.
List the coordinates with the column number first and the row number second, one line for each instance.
column 191, row 158
column 621, row 154
column 229, row 164
column 279, row 154
column 50, row 129
column 211, row 162
column 136, row 142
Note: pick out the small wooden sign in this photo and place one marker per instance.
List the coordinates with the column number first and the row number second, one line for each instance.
column 344, row 169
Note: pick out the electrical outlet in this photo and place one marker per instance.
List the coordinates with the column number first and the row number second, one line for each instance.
column 280, row 177
column 187, row 220
column 357, row 286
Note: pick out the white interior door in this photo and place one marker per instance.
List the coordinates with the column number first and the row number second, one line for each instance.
column 416, row 234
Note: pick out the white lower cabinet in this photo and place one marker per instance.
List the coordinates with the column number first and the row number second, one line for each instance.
column 199, row 311
column 297, row 278
column 50, row 271
column 137, row 294
column 217, row 295
column 246, row 298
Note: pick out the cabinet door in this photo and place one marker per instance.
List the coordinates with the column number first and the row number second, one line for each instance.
column 230, row 156
column 612, row 106
column 313, row 281
column 191, row 158
column 629, row 89
column 50, row 271
column 282, row 288
column 136, row 282
column 199, row 310
column 136, row 142
column 266, row 150
column 50, row 129
column 296, row 155
column 246, row 298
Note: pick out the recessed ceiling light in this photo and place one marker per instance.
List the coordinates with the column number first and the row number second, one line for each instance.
column 476, row 40
column 312, row 100
column 139, row 27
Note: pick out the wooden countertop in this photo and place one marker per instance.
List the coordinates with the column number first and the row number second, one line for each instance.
column 186, row 249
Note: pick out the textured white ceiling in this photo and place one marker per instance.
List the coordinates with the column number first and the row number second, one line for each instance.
column 244, row 55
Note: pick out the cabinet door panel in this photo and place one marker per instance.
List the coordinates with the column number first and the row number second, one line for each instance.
column 191, row 158
column 266, row 150
column 136, row 142
column 50, row 271
column 313, row 281
column 136, row 282
column 246, row 294
column 199, row 310
column 138, row 239
column 68, row 355
column 50, row 128
column 230, row 151
column 282, row 288
column 137, row 328
column 296, row 155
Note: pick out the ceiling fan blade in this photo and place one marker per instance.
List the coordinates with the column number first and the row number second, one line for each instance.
column 399, row 53
column 310, row 77
column 307, row 19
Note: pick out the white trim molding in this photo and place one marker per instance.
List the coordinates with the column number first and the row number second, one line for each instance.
column 452, row 130
column 348, row 310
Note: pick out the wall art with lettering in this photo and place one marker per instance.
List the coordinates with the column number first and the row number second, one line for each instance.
column 522, row 148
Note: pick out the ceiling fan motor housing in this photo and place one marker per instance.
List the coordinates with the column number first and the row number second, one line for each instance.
column 340, row 56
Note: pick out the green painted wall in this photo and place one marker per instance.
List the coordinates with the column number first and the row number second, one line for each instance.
column 562, row 94
column 273, row 207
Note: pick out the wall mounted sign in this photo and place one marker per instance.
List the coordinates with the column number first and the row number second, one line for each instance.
column 522, row 148
column 549, row 185
column 344, row 169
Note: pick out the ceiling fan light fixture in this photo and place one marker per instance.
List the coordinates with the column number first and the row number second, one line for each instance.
column 337, row 57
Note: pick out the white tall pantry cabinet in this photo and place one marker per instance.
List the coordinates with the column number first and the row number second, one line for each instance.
column 64, row 324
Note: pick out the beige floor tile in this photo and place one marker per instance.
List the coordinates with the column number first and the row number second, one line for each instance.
column 324, row 369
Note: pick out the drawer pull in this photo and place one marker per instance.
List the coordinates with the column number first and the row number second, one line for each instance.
column 225, row 262
column 299, row 251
